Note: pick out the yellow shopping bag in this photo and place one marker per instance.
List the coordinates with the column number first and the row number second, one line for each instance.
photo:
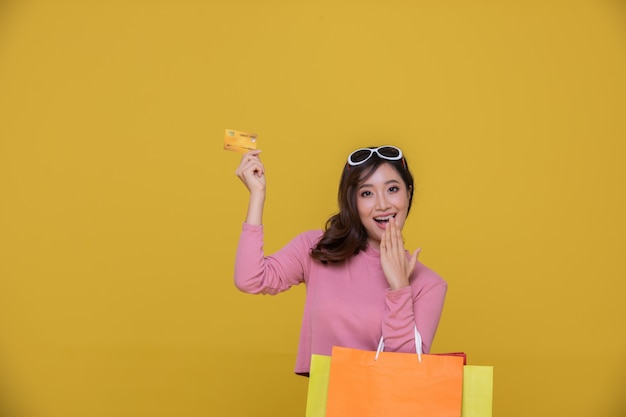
column 318, row 386
column 477, row 391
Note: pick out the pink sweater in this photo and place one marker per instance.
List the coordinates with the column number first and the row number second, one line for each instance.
column 348, row 304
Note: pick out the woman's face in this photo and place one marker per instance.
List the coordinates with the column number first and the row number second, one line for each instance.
column 378, row 198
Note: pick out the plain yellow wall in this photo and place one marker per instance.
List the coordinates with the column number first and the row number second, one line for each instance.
column 120, row 212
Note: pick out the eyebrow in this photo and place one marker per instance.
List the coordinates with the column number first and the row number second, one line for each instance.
column 386, row 183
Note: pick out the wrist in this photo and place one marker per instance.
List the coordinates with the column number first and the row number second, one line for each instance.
column 255, row 208
column 400, row 291
column 395, row 286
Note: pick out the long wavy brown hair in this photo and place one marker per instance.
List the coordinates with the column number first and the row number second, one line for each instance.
column 344, row 234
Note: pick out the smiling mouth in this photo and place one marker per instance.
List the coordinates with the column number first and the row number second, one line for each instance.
column 383, row 219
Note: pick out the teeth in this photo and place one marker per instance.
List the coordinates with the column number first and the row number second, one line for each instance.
column 384, row 219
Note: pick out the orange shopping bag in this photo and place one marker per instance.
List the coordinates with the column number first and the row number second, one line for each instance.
column 382, row 384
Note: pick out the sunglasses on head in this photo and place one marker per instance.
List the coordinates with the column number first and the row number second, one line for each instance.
column 388, row 152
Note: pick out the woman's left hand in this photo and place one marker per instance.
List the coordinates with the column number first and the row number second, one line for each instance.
column 396, row 266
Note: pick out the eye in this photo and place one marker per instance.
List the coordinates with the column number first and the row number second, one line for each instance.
column 366, row 193
column 394, row 189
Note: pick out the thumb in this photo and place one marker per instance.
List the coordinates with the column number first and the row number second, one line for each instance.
column 413, row 260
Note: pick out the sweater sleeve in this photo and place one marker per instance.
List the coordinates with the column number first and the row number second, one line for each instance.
column 419, row 304
column 256, row 273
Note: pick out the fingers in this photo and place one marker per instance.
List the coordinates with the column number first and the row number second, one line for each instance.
column 393, row 237
column 413, row 260
column 394, row 261
column 248, row 157
column 251, row 171
column 386, row 241
column 251, row 164
column 250, row 168
column 392, row 247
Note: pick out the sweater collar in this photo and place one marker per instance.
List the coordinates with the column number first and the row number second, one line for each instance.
column 372, row 252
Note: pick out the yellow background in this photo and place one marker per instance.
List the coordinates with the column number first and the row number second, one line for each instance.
column 120, row 211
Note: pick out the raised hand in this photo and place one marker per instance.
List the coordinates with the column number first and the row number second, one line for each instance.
column 252, row 173
column 396, row 266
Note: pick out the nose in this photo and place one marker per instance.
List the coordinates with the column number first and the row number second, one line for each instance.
column 382, row 203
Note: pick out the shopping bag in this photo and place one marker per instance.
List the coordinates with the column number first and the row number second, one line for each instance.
column 477, row 388
column 318, row 386
column 318, row 389
column 381, row 384
column 459, row 354
column 477, row 391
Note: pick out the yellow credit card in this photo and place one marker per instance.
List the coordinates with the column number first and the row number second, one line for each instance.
column 237, row 141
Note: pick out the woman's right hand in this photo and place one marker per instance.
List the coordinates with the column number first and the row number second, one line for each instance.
column 251, row 172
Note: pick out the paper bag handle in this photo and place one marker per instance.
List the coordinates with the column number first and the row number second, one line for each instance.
column 418, row 345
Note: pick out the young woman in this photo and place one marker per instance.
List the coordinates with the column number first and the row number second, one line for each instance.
column 361, row 282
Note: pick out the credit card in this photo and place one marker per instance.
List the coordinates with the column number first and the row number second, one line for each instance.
column 237, row 141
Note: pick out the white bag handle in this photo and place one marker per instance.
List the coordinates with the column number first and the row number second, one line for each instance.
column 418, row 345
